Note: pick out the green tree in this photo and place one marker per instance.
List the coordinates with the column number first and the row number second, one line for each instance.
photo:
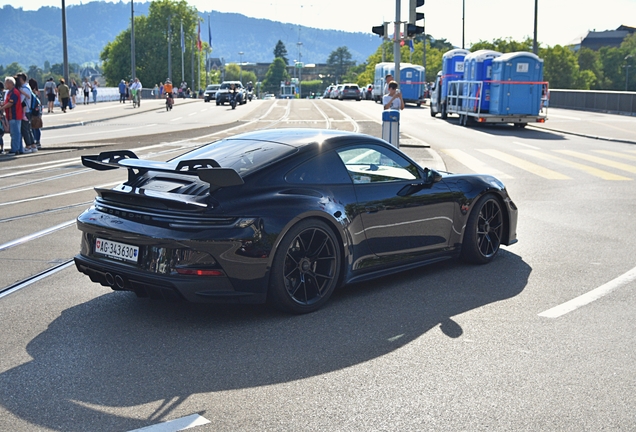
column 152, row 35
column 590, row 61
column 613, row 60
column 276, row 73
column 504, row 45
column 560, row 67
column 233, row 73
column 281, row 52
column 11, row 70
column 339, row 62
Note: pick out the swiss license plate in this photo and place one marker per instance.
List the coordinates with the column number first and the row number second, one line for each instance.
column 116, row 250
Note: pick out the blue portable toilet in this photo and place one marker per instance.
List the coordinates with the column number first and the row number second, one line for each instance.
column 452, row 68
column 478, row 67
column 412, row 82
column 517, row 83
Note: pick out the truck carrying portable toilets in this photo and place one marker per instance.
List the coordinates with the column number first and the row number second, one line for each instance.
column 478, row 67
column 516, row 89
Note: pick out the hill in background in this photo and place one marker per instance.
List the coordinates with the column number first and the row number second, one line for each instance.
column 33, row 37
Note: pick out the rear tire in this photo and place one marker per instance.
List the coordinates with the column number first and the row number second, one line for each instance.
column 306, row 268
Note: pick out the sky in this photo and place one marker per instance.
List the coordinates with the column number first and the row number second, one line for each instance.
column 559, row 21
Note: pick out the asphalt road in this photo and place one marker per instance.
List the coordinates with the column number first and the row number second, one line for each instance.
column 446, row 347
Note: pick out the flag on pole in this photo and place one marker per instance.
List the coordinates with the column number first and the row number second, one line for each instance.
column 182, row 39
column 199, row 45
column 209, row 33
column 411, row 47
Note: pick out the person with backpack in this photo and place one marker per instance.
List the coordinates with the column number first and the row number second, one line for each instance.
column 27, row 101
column 13, row 112
column 36, row 113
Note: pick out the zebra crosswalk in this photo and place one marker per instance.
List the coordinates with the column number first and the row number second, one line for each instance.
column 549, row 164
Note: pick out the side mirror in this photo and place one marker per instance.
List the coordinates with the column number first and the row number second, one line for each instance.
column 431, row 176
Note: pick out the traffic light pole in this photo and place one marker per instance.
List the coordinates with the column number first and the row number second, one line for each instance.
column 396, row 42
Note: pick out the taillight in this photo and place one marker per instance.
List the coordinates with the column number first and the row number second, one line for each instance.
column 199, row 272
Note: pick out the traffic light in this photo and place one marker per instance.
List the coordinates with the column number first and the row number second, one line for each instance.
column 381, row 30
column 412, row 28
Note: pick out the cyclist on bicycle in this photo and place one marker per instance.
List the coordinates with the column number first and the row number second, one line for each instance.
column 135, row 88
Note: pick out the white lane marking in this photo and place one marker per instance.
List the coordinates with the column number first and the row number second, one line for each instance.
column 191, row 114
column 175, row 119
column 590, row 296
column 176, row 425
column 110, row 131
column 59, row 194
column 526, row 145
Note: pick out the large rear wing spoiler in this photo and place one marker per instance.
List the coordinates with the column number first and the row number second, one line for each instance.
column 207, row 170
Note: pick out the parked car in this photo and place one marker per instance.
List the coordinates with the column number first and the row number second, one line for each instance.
column 350, row 91
column 367, row 92
column 223, row 94
column 210, row 92
column 285, row 215
column 334, row 92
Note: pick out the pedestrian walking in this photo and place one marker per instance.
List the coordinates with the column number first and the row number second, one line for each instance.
column 94, row 90
column 4, row 126
column 86, row 87
column 64, row 94
column 73, row 93
column 12, row 107
column 51, row 90
column 155, row 91
column 122, row 91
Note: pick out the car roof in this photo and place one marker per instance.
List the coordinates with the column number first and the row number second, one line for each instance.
column 296, row 137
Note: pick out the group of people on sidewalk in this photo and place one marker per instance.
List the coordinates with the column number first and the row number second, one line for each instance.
column 128, row 91
column 67, row 95
column 20, row 114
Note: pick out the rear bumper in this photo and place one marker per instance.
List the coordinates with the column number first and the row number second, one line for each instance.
column 195, row 289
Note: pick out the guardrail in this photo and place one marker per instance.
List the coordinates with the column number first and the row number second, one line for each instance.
column 614, row 102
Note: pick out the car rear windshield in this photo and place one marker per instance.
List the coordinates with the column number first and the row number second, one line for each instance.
column 244, row 156
column 229, row 85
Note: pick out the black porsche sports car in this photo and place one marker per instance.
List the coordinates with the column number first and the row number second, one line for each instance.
column 283, row 215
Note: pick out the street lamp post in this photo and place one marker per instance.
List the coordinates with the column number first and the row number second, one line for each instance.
column 627, row 66
column 535, row 45
column 463, row 21
column 132, row 40
column 64, row 43
column 241, row 66
column 300, row 68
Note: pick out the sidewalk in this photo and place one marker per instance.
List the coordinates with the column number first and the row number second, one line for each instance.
column 601, row 126
column 102, row 111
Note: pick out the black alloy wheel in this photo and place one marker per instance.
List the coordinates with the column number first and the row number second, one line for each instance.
column 306, row 268
column 484, row 231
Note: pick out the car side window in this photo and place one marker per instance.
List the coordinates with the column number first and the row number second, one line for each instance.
column 374, row 164
column 326, row 168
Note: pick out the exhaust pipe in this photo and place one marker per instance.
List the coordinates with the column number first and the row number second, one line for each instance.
column 110, row 280
column 119, row 281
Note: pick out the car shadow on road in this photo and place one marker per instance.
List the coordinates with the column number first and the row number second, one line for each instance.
column 117, row 351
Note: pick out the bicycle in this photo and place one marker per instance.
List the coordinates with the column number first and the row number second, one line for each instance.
column 135, row 98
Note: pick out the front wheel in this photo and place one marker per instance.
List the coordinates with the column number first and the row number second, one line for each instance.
column 306, row 268
column 484, row 231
